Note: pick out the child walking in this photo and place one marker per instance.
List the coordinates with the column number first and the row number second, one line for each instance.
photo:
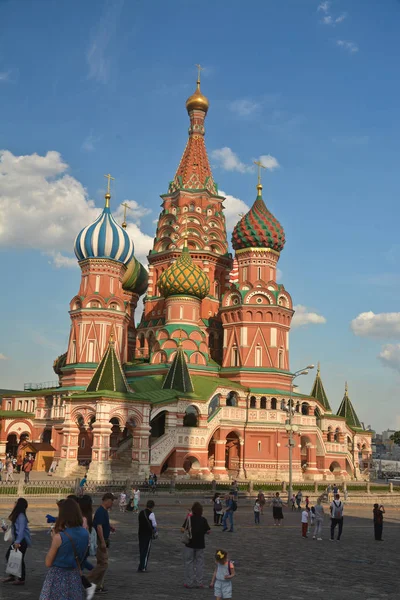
column 122, row 502
column 304, row 522
column 257, row 510
column 222, row 577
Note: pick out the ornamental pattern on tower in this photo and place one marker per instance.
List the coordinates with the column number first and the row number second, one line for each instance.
column 184, row 277
column 258, row 229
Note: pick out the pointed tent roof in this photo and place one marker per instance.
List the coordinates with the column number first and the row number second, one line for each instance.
column 178, row 376
column 109, row 374
column 347, row 411
column 319, row 393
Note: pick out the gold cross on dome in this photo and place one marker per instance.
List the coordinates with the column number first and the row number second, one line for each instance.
column 109, row 182
column 125, row 205
column 199, row 70
column 260, row 166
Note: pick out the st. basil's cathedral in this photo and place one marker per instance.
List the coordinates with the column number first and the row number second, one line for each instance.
column 202, row 385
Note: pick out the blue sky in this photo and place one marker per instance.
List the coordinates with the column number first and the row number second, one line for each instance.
column 88, row 88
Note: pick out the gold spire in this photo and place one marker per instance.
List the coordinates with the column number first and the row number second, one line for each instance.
column 346, row 388
column 197, row 101
column 259, row 184
column 108, row 195
column 185, row 234
column 318, row 368
column 125, row 205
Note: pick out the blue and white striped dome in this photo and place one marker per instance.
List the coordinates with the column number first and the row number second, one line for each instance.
column 104, row 239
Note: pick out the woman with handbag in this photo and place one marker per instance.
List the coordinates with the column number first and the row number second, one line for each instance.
column 194, row 529
column 21, row 536
column 67, row 551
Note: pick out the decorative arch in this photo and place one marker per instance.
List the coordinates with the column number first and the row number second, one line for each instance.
column 191, row 418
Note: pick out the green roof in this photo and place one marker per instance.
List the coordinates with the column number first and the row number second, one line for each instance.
column 318, row 392
column 109, row 375
column 275, row 392
column 15, row 414
column 347, row 411
column 178, row 376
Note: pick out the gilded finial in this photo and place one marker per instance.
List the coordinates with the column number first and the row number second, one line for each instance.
column 108, row 194
column 346, row 388
column 111, row 340
column 318, row 368
column 259, row 184
column 126, row 206
column 199, row 70
column 180, row 337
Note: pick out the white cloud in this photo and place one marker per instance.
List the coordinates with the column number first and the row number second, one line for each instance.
column 4, row 76
column 97, row 56
column 233, row 209
column 390, row 356
column 230, row 161
column 244, row 107
column 89, row 143
column 3, row 356
column 381, row 325
column 327, row 20
column 269, row 162
column 341, row 18
column 303, row 316
column 350, row 46
column 324, row 7
column 43, row 208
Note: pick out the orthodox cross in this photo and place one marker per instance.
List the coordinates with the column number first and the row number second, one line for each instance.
column 260, row 166
column 199, row 70
column 109, row 182
column 125, row 205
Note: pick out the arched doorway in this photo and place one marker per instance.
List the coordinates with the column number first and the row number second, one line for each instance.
column 335, row 468
column 232, row 452
column 158, row 425
column 46, row 437
column 191, row 418
column 191, row 465
column 12, row 444
column 305, row 451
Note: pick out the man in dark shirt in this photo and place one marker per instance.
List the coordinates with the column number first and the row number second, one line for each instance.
column 147, row 530
column 101, row 523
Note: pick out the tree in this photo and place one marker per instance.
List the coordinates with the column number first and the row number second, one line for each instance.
column 396, row 438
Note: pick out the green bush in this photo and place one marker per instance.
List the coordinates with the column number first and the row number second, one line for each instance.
column 8, row 490
column 379, row 488
column 356, row 488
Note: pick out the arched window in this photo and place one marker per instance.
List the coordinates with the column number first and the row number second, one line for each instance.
column 214, row 405
column 263, row 402
column 231, row 399
column 253, row 402
column 235, row 356
column 114, row 306
column 273, row 403
column 305, row 408
column 337, row 434
column 283, row 405
column 280, row 359
column 258, row 352
column 191, row 418
column 216, row 289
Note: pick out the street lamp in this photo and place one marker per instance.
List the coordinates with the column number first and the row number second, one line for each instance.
column 290, row 428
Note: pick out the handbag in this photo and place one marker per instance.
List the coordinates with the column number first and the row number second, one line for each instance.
column 85, row 582
column 8, row 534
column 14, row 564
column 187, row 534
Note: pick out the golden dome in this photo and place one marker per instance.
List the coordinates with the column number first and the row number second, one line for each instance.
column 197, row 101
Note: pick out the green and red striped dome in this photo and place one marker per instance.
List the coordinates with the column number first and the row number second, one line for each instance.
column 258, row 229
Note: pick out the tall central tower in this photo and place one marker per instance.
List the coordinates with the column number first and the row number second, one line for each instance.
column 192, row 216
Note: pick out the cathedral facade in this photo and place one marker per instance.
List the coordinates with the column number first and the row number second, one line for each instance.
column 202, row 386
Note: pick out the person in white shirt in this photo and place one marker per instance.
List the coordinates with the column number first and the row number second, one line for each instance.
column 319, row 520
column 136, row 499
column 304, row 522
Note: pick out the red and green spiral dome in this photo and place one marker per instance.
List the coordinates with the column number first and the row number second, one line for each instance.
column 258, row 229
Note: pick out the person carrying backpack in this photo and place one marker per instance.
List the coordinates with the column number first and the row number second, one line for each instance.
column 231, row 507
column 336, row 517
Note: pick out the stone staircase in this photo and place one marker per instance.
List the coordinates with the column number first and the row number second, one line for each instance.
column 121, row 463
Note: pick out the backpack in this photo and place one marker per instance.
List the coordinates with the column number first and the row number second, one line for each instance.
column 92, row 542
column 337, row 510
column 234, row 506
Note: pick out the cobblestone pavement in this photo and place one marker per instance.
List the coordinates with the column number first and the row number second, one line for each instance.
column 270, row 561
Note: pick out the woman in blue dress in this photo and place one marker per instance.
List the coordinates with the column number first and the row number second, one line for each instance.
column 68, row 548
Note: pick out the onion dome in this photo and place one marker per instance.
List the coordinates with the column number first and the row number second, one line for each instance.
column 59, row 363
column 104, row 239
column 197, row 101
column 136, row 278
column 183, row 277
column 258, row 228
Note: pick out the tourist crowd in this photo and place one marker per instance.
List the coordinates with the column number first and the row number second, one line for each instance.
column 78, row 535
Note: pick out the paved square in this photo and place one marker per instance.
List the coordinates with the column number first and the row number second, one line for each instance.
column 270, row 561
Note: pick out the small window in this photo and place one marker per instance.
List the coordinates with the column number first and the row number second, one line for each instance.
column 273, row 403
column 259, row 446
column 235, row 357
column 97, row 288
column 258, row 272
column 253, row 403
column 258, row 356
column 114, row 306
column 263, row 403
column 19, row 404
column 280, row 359
column 95, row 304
column 9, row 405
